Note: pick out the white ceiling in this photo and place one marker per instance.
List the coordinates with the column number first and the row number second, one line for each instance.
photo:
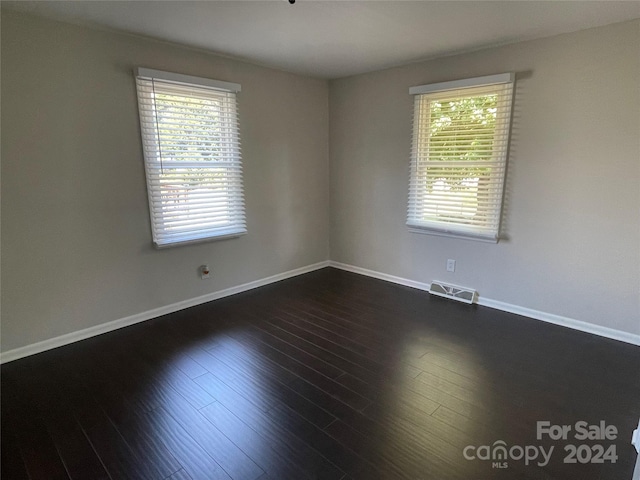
column 331, row 39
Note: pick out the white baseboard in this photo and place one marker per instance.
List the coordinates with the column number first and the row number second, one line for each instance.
column 72, row 337
column 622, row 336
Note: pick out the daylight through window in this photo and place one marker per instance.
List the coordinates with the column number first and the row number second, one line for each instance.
column 459, row 156
column 192, row 157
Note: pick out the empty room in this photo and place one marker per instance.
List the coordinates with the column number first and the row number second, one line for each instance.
column 337, row 240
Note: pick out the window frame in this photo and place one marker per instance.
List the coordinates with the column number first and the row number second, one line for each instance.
column 231, row 200
column 487, row 231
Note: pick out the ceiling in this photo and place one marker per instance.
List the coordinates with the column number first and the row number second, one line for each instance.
column 331, row 39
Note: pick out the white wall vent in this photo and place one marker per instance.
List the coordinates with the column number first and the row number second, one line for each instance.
column 462, row 294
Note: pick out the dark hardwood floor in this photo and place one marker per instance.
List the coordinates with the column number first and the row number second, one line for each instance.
column 329, row 375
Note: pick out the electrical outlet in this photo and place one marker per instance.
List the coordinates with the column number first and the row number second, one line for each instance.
column 204, row 271
column 451, row 265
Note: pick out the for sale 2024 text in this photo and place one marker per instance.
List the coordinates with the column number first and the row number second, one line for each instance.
column 581, row 431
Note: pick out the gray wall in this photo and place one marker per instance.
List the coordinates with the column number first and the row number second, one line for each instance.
column 573, row 205
column 76, row 240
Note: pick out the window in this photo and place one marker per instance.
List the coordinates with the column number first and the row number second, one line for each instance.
column 459, row 156
column 192, row 158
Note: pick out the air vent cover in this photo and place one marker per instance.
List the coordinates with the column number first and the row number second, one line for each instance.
column 462, row 294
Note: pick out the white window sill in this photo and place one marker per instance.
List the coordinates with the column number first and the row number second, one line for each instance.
column 199, row 240
column 461, row 235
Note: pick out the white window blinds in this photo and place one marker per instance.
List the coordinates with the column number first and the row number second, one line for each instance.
column 192, row 157
column 459, row 156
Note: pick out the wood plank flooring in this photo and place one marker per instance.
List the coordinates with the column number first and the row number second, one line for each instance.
column 329, row 375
